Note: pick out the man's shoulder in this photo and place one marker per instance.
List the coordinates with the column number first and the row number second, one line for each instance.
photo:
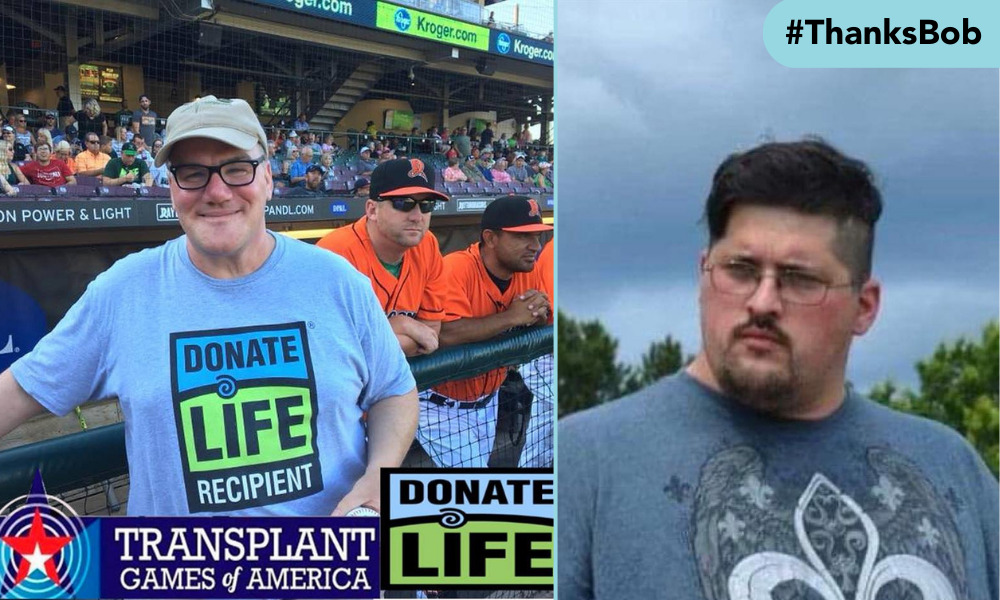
column 617, row 418
column 933, row 434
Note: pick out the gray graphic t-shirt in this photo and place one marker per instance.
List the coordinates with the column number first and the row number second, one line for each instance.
column 678, row 492
column 241, row 396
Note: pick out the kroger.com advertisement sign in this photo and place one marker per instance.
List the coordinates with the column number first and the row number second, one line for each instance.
column 408, row 21
column 522, row 48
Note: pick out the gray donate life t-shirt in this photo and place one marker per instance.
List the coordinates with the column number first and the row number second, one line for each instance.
column 679, row 492
column 241, row 396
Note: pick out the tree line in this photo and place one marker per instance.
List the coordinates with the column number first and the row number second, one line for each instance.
column 958, row 382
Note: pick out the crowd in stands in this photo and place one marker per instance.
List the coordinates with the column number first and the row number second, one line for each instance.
column 91, row 147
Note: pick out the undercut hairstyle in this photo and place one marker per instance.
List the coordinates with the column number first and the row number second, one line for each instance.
column 810, row 177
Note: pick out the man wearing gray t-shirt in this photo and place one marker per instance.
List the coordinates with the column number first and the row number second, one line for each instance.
column 757, row 473
column 257, row 374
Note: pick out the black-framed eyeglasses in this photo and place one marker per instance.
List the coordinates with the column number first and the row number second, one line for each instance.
column 406, row 204
column 234, row 173
column 795, row 286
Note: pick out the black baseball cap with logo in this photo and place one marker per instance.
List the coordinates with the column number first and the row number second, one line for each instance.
column 514, row 213
column 128, row 149
column 403, row 177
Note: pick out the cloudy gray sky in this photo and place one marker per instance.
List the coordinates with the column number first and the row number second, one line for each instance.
column 651, row 98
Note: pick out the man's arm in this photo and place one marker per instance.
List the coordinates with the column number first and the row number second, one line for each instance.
column 530, row 308
column 392, row 424
column 97, row 171
column 147, row 178
column 416, row 336
column 16, row 406
column 71, row 179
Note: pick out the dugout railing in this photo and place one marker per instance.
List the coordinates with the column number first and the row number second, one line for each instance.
column 94, row 461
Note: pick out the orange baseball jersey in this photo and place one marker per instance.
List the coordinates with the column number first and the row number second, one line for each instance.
column 419, row 291
column 545, row 265
column 472, row 293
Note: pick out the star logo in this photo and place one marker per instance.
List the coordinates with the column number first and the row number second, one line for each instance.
column 37, row 550
column 45, row 550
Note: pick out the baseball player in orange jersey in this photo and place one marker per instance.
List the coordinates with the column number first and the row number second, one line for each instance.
column 391, row 246
column 537, row 374
column 492, row 288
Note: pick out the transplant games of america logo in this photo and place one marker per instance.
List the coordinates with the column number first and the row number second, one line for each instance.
column 402, row 19
column 245, row 407
column 44, row 552
column 503, row 43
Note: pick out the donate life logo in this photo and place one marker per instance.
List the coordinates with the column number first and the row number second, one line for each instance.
column 503, row 43
column 467, row 528
column 402, row 19
column 245, row 407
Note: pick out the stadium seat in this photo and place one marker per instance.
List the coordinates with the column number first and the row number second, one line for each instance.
column 89, row 180
column 453, row 187
column 34, row 191
column 75, row 191
column 116, row 191
column 154, row 192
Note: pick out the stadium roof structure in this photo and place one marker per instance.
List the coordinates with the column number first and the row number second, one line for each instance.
column 314, row 58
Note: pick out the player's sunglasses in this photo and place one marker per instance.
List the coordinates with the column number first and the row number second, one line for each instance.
column 407, row 204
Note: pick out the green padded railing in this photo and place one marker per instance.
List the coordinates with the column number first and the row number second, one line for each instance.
column 74, row 461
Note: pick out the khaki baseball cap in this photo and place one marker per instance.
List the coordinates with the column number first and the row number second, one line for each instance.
column 230, row 121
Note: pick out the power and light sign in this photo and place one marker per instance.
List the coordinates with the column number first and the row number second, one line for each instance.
column 467, row 528
column 407, row 21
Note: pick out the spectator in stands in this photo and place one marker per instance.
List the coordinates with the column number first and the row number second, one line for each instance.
column 53, row 126
column 291, row 143
column 486, row 138
column 472, row 174
column 301, row 123
column 273, row 158
column 281, row 178
column 474, row 136
column 502, row 144
column 106, row 148
column 46, row 170
column 297, row 173
column 453, row 172
column 370, row 129
column 387, row 155
column 92, row 161
column 9, row 136
column 156, row 147
column 377, row 150
column 64, row 106
column 524, row 140
column 445, row 136
column 127, row 170
column 9, row 172
column 141, row 149
column 462, row 142
column 328, row 145
column 543, row 177
column 312, row 183
column 160, row 175
column 362, row 187
column 123, row 118
column 122, row 137
column 484, row 164
column 43, row 135
column 499, row 171
column 22, row 134
column 64, row 152
column 90, row 119
column 365, row 165
column 312, row 141
column 452, row 151
column 518, row 171
column 144, row 120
